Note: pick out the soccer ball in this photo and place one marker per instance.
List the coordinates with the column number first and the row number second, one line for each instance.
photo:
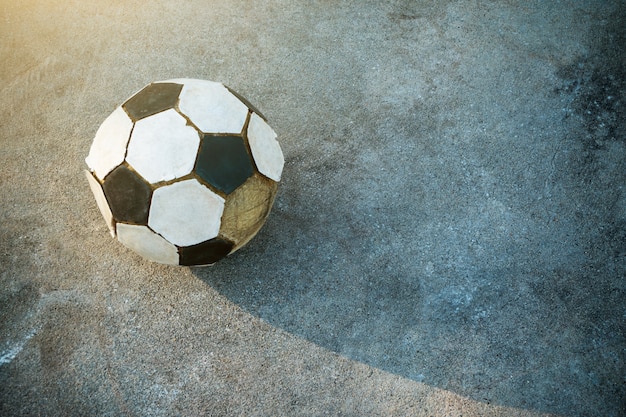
column 185, row 171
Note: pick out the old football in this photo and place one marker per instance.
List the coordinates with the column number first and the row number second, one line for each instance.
column 185, row 171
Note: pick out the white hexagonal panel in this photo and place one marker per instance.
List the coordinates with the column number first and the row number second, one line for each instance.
column 109, row 146
column 147, row 243
column 186, row 212
column 101, row 201
column 211, row 107
column 265, row 148
column 163, row 147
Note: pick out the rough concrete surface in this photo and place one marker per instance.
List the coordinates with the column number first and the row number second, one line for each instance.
column 449, row 238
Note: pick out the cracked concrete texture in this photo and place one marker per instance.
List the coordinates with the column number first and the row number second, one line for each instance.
column 448, row 238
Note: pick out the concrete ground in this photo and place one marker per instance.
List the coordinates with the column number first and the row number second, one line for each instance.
column 449, row 237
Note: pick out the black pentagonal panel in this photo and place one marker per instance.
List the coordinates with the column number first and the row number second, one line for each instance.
column 223, row 162
column 153, row 99
column 246, row 102
column 205, row 253
column 128, row 196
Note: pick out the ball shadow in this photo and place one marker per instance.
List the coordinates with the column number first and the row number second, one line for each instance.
column 372, row 279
